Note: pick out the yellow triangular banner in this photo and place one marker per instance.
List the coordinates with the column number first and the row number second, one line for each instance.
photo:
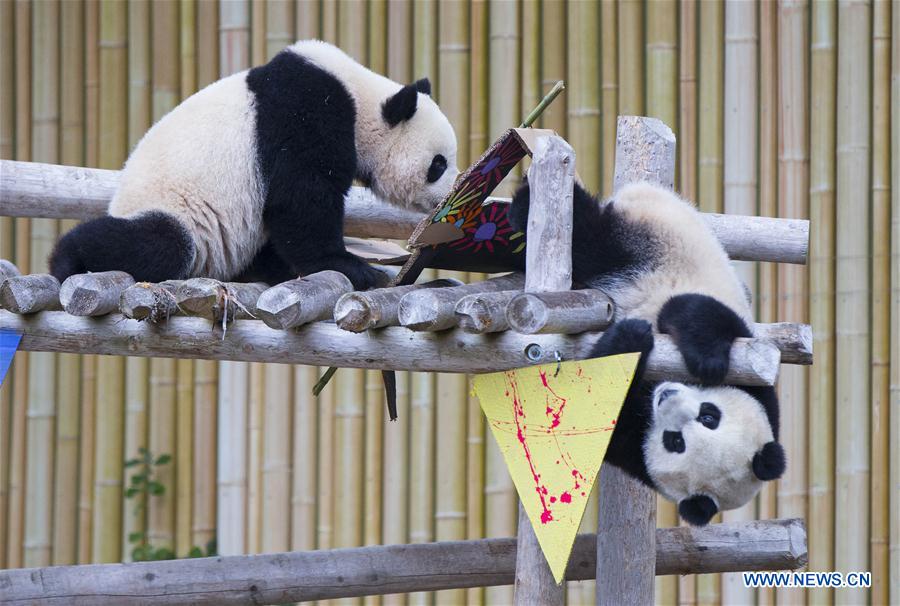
column 553, row 429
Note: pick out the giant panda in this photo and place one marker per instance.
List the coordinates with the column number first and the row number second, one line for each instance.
column 706, row 446
column 246, row 178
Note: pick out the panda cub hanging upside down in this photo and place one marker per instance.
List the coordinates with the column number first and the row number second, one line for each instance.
column 246, row 178
column 706, row 446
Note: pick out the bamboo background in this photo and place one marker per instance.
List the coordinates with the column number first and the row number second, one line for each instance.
column 771, row 119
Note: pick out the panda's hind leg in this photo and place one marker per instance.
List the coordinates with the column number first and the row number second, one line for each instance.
column 152, row 247
column 704, row 330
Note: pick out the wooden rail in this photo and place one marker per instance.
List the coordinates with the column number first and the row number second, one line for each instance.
column 379, row 570
column 34, row 189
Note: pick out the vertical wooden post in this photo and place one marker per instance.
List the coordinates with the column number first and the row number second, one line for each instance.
column 626, row 532
column 548, row 267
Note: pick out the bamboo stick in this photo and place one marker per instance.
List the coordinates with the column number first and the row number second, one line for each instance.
column 23, row 21
column 881, row 292
column 822, row 291
column 203, row 501
column 349, row 433
column 530, row 57
column 895, row 311
column 852, row 313
column 309, row 19
column 554, row 39
column 140, row 91
column 504, row 85
column 276, row 474
column 377, row 31
column 422, row 465
column 92, row 87
column 329, row 22
column 255, row 414
column 258, row 12
column 740, row 181
column 41, row 425
column 767, row 292
column 687, row 112
column 474, row 473
column 631, row 58
column 7, row 116
column 231, row 458
column 162, row 440
column 396, row 480
column 304, row 434
column 279, row 26
column 207, row 43
column 137, row 404
column 478, row 81
column 609, row 87
column 183, row 434
column 584, row 91
column 187, row 47
column 325, row 490
column 453, row 64
column 373, row 462
column 709, row 160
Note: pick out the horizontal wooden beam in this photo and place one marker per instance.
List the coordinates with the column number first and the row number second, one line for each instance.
column 379, row 570
column 753, row 362
column 34, row 189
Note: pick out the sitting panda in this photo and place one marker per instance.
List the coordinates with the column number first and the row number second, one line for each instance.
column 706, row 446
column 246, row 178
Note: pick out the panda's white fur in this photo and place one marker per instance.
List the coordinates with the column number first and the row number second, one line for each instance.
column 691, row 259
column 201, row 163
column 715, row 462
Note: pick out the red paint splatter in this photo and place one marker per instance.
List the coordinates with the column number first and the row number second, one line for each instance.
column 565, row 497
column 553, row 499
column 550, row 412
column 519, row 411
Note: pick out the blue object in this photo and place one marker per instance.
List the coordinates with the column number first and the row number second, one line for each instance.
column 9, row 343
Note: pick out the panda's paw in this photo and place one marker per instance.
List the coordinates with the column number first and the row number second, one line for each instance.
column 709, row 365
column 362, row 275
column 625, row 336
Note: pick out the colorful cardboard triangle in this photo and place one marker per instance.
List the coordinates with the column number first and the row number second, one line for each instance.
column 553, row 429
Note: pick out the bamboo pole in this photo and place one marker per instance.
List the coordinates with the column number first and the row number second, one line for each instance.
column 255, row 414
column 822, row 292
column 881, row 297
column 852, row 313
column 478, row 81
column 609, row 87
column 451, row 399
column 203, row 500
column 377, row 32
column 305, row 447
column 396, row 482
column 453, row 65
column 895, row 312
column 530, row 57
column 279, row 26
column 41, row 424
column 65, row 510
column 373, row 463
column 584, row 92
column 709, row 161
column 207, row 43
column 422, row 465
column 187, row 48
column 349, row 466
column 162, row 440
column 325, row 495
column 234, row 380
column 767, row 292
column 631, row 58
column 258, row 32
column 740, row 180
column 7, row 244
column 276, row 474
column 399, row 61
column 504, row 87
column 137, row 393
column 554, row 40
column 474, row 473
column 329, row 21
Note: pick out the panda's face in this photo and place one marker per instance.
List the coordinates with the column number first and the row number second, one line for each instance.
column 414, row 162
column 702, row 444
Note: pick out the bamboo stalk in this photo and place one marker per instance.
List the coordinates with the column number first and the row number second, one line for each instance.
column 279, row 26
column 325, row 490
column 478, row 82
column 162, row 440
column 879, row 557
column 767, row 293
column 258, row 32
column 349, row 433
column 475, row 450
column 309, row 19
column 255, row 414
column 504, row 85
column 137, row 393
column 530, row 57
column 631, row 58
column 453, row 64
column 396, row 480
column 687, row 113
column 584, row 96
column 203, row 501
column 7, row 109
column 207, row 43
column 554, row 39
column 895, row 310
column 852, row 312
column 276, row 465
column 329, row 22
column 187, row 47
column 373, row 478
column 184, row 456
column 609, row 89
column 452, row 399
column 140, row 92
column 377, row 31
column 422, row 465
column 305, row 429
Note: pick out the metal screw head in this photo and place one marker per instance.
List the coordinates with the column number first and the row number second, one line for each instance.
column 534, row 352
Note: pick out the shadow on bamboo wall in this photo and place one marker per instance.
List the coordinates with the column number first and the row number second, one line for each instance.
column 770, row 120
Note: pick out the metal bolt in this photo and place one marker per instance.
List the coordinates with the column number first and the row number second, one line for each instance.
column 534, row 352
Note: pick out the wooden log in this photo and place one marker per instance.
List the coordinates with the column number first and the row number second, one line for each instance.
column 645, row 151
column 565, row 312
column 30, row 294
column 153, row 302
column 483, row 313
column 359, row 311
column 548, row 268
column 219, row 301
column 279, row 578
column 94, row 294
column 433, row 309
column 33, row 189
column 303, row 300
column 753, row 362
column 8, row 269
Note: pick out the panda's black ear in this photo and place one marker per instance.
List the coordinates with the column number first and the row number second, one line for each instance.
column 697, row 510
column 769, row 462
column 423, row 86
column 401, row 106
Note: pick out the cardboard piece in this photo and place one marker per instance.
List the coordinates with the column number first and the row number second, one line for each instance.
column 553, row 430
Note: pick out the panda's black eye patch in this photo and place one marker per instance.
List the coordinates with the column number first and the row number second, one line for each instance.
column 710, row 415
column 437, row 168
column 673, row 441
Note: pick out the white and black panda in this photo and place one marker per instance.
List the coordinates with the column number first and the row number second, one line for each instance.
column 706, row 446
column 247, row 177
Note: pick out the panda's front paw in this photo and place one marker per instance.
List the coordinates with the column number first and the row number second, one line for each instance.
column 625, row 336
column 709, row 365
column 362, row 275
